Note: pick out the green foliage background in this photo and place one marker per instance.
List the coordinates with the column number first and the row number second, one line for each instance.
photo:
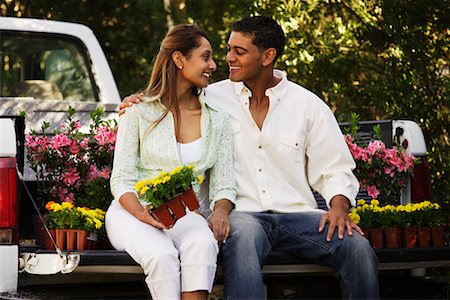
column 381, row 59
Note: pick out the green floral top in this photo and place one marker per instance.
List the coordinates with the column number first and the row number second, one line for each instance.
column 143, row 151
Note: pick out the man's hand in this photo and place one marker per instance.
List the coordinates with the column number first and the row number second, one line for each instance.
column 218, row 222
column 130, row 101
column 337, row 216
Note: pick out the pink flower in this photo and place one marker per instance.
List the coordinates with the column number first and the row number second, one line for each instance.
column 375, row 146
column 373, row 191
column 71, row 176
column 60, row 140
column 105, row 173
column 389, row 171
column 74, row 149
column 93, row 173
column 105, row 136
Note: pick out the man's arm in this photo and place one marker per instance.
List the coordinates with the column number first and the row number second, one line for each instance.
column 130, row 101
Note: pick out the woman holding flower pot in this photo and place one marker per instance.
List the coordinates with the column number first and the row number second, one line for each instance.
column 174, row 127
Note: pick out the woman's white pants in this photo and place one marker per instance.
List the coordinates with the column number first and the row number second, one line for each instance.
column 180, row 259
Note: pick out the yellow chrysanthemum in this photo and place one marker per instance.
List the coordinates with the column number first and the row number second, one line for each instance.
column 361, row 202
column 200, row 179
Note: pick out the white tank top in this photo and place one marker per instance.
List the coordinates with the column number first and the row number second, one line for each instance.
column 189, row 153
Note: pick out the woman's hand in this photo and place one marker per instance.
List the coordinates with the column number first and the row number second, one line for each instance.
column 130, row 202
column 130, row 101
column 146, row 217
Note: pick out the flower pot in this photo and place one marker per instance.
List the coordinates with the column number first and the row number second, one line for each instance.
column 437, row 236
column 170, row 212
column 410, row 235
column 71, row 239
column 376, row 237
column 82, row 241
column 60, row 238
column 424, row 236
column 163, row 215
column 392, row 236
column 366, row 234
column 176, row 208
column 190, row 200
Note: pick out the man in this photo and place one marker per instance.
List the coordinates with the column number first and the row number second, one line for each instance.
column 286, row 140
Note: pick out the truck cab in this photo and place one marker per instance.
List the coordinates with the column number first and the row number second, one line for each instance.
column 50, row 60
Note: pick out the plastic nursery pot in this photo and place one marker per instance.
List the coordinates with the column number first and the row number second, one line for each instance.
column 438, row 236
column 177, row 208
column 82, row 241
column 424, row 236
column 410, row 235
column 61, row 238
column 376, row 238
column 71, row 239
column 190, row 200
column 163, row 215
column 392, row 236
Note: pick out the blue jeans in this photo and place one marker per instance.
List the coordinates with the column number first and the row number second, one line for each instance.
column 254, row 235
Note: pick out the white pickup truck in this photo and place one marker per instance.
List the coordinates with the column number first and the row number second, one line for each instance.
column 47, row 66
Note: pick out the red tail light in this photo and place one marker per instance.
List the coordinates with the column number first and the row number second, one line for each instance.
column 8, row 201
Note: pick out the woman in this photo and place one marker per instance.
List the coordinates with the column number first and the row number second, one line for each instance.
column 174, row 127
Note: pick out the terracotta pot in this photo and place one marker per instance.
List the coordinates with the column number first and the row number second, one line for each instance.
column 177, row 208
column 82, row 242
column 410, row 235
column 424, row 236
column 392, row 236
column 376, row 237
column 190, row 200
column 164, row 216
column 366, row 234
column 438, row 236
column 61, row 238
column 170, row 212
column 71, row 239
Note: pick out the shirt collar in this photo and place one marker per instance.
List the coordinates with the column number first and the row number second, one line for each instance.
column 274, row 92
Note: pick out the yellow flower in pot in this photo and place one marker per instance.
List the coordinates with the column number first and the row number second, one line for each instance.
column 169, row 193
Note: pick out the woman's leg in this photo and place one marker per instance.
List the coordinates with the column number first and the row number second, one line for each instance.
column 198, row 254
column 152, row 248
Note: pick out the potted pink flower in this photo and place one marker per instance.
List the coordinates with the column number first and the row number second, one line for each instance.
column 72, row 166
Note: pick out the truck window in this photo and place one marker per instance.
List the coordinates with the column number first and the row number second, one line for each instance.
column 45, row 66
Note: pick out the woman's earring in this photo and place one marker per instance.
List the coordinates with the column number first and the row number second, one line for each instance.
column 180, row 67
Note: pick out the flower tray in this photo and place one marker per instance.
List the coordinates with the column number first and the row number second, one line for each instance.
column 175, row 209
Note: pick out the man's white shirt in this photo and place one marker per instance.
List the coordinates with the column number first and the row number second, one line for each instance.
column 298, row 147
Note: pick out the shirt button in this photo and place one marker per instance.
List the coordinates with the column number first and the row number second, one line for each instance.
column 260, row 147
column 263, row 191
column 260, row 170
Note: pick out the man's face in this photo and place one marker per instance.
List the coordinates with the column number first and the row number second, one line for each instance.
column 243, row 58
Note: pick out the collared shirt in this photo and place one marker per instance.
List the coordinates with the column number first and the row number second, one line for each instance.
column 144, row 150
column 298, row 147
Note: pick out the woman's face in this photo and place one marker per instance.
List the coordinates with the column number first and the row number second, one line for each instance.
column 199, row 65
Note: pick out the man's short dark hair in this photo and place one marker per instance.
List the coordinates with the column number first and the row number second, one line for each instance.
column 266, row 32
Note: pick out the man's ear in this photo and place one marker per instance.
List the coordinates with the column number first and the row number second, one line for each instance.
column 178, row 59
column 268, row 56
